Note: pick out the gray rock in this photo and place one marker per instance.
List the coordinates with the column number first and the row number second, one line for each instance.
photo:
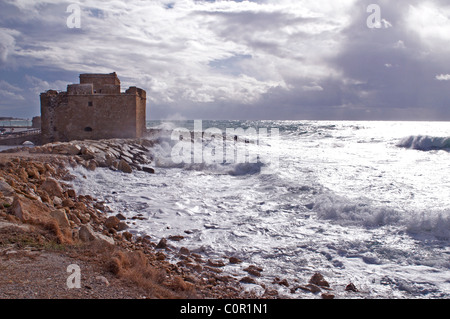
column 87, row 234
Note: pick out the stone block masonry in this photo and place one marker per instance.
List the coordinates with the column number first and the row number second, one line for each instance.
column 94, row 109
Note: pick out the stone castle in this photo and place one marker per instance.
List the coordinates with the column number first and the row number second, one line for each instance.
column 94, row 109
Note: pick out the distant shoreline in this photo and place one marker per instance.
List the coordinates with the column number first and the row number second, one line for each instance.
column 12, row 119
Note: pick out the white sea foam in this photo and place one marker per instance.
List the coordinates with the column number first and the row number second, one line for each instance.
column 344, row 200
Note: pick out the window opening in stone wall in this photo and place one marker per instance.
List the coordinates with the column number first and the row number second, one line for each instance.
column 88, row 129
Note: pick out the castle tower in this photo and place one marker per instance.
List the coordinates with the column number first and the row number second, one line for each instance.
column 93, row 109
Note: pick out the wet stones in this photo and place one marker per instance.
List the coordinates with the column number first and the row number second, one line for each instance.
column 215, row 263
column 254, row 270
column 309, row 287
column 148, row 169
column 162, row 244
column 124, row 167
column 184, row 251
column 234, row 260
column 316, row 284
column 281, row 282
column 318, row 280
column 127, row 235
column 351, row 287
column 124, row 155
column 248, row 280
column 175, row 237
column 112, row 222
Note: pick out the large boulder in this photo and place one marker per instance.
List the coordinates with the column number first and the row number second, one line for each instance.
column 28, row 210
column 124, row 167
column 60, row 216
column 52, row 187
column 87, row 234
column 67, row 149
column 112, row 222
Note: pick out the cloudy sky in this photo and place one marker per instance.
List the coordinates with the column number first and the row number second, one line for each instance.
column 262, row 59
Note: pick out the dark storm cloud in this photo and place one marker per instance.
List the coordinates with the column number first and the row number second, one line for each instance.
column 392, row 64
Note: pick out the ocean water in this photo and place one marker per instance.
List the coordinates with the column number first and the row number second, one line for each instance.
column 360, row 202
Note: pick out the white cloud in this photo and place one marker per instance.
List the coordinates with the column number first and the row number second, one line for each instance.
column 313, row 87
column 431, row 22
column 443, row 77
column 170, row 48
column 37, row 85
column 7, row 43
column 400, row 45
column 9, row 87
column 10, row 92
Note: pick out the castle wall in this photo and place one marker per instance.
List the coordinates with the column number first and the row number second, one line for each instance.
column 51, row 102
column 80, row 114
column 102, row 83
column 141, row 104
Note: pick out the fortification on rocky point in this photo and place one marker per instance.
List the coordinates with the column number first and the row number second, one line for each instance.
column 93, row 109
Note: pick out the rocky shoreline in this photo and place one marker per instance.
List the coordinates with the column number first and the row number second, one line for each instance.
column 37, row 202
column 35, row 190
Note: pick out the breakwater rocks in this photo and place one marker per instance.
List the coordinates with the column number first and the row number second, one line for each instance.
column 124, row 155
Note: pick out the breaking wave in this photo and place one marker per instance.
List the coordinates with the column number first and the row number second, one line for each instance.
column 163, row 154
column 425, row 143
column 354, row 212
column 361, row 212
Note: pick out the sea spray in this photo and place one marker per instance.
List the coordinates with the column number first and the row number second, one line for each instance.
column 345, row 200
